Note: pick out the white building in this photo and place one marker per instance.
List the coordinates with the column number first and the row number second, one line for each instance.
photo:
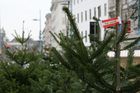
column 84, row 10
column 58, row 19
column 30, row 44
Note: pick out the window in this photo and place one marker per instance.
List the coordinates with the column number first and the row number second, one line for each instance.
column 78, row 17
column 93, row 28
column 90, row 14
column 85, row 15
column 99, row 11
column 95, row 12
column 81, row 16
column 105, row 9
column 85, row 36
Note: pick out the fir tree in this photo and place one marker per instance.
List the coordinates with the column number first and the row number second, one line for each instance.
column 18, row 68
column 25, row 70
column 92, row 64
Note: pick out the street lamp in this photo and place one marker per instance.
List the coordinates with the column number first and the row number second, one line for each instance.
column 139, row 16
column 40, row 41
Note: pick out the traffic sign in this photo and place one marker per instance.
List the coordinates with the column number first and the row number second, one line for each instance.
column 111, row 22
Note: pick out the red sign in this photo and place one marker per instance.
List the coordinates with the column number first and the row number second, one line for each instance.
column 110, row 22
column 128, row 26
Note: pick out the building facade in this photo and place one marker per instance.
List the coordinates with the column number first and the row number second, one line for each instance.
column 46, row 32
column 58, row 19
column 84, row 10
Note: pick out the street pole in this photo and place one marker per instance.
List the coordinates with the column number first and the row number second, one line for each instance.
column 0, row 38
column 68, row 31
column 23, row 29
column 40, row 32
column 117, row 52
column 139, row 16
column 0, row 22
column 40, row 40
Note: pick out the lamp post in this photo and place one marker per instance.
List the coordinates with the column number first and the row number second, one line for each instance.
column 40, row 33
column 139, row 16
column 23, row 28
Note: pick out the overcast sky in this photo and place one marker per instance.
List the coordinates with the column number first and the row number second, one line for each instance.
column 13, row 12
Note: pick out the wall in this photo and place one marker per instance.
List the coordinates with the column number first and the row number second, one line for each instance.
column 58, row 19
column 46, row 33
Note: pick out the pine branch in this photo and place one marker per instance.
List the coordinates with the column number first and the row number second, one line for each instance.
column 130, row 58
column 6, row 70
column 92, row 83
column 134, row 38
column 55, row 36
column 132, row 88
column 62, row 60
column 102, row 47
column 132, row 44
column 72, row 22
column 123, row 33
